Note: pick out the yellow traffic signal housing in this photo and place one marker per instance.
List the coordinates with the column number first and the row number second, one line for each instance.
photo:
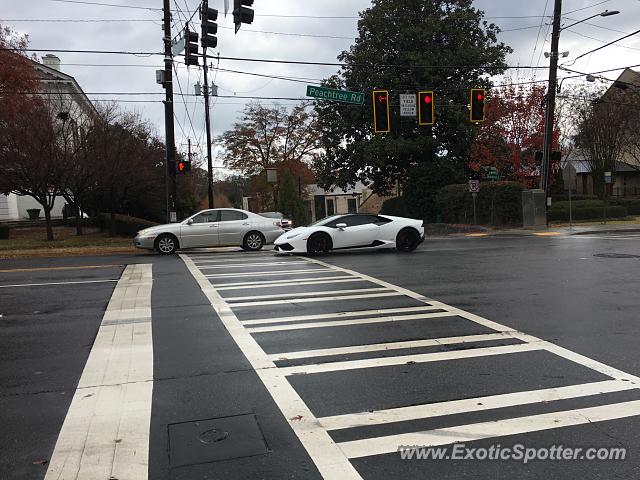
column 381, row 122
column 426, row 108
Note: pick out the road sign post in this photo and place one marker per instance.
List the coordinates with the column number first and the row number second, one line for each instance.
column 474, row 188
column 345, row 96
column 569, row 178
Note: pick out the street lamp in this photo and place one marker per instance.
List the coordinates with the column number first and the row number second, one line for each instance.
column 606, row 13
column 553, row 81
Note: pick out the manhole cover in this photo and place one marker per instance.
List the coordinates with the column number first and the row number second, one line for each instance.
column 616, row 255
column 215, row 439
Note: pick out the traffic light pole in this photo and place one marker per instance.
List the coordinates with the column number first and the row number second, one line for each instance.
column 208, row 128
column 168, row 117
column 551, row 98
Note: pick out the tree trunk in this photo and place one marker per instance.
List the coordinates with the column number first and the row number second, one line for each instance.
column 112, row 223
column 47, row 219
column 77, row 211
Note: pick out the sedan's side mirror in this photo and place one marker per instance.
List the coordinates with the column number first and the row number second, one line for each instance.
column 190, row 221
column 341, row 226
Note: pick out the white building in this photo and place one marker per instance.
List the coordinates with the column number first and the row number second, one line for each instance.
column 65, row 96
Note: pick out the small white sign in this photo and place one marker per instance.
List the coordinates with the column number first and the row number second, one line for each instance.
column 408, row 105
column 474, row 186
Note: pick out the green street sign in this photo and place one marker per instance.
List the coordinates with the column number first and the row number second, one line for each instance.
column 345, row 96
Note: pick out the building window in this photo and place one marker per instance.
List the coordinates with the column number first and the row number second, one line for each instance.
column 330, row 207
column 352, row 206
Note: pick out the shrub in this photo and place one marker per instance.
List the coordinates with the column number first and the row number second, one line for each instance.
column 574, row 198
column 631, row 204
column 124, row 225
column 499, row 203
column 577, row 204
column 396, row 206
column 4, row 232
column 588, row 213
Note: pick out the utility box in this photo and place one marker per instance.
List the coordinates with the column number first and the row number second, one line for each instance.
column 534, row 209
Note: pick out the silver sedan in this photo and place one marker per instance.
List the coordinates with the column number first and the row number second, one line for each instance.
column 211, row 228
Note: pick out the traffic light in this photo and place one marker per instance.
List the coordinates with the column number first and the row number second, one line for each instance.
column 190, row 48
column 183, row 166
column 477, row 104
column 241, row 12
column 426, row 109
column 209, row 25
column 381, row 122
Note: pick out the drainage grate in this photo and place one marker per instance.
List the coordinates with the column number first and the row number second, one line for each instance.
column 616, row 255
column 215, row 439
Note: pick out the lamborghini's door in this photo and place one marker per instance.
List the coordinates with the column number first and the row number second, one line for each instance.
column 361, row 231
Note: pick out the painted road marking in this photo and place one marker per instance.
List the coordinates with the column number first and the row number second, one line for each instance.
column 308, row 300
column 324, row 452
column 44, row 269
column 477, row 404
column 321, row 316
column 375, row 347
column 106, row 431
column 492, row 429
column 272, row 273
column 305, row 294
column 404, row 359
column 280, row 283
column 245, row 265
column 345, row 323
column 57, row 283
column 547, row 234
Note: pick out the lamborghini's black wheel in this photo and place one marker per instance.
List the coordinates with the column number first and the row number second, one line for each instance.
column 407, row 240
column 319, row 243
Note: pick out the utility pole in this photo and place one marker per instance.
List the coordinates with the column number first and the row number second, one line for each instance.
column 208, row 38
column 207, row 120
column 189, row 149
column 168, row 117
column 551, row 98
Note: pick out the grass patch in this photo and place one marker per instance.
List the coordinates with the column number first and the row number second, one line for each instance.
column 32, row 242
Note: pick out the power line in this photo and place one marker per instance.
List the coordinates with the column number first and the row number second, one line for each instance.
column 603, row 46
column 587, row 7
column 136, row 7
column 599, row 40
column 80, row 20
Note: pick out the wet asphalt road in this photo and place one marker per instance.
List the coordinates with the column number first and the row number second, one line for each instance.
column 579, row 293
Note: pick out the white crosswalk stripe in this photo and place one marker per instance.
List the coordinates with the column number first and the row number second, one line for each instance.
column 498, row 344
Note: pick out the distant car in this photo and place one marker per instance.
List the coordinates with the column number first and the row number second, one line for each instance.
column 341, row 232
column 211, row 228
column 284, row 222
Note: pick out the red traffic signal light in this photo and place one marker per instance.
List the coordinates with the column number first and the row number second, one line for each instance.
column 183, row 166
column 426, row 108
column 381, row 123
column 476, row 112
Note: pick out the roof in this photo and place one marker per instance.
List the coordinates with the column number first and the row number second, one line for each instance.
column 581, row 164
column 50, row 76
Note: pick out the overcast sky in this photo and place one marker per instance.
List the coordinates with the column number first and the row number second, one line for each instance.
column 98, row 74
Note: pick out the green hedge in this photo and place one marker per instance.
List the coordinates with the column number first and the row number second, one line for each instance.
column 588, row 213
column 4, row 232
column 497, row 202
column 631, row 204
column 574, row 198
column 577, row 204
column 124, row 225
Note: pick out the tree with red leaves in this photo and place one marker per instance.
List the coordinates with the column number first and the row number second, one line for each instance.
column 30, row 156
column 512, row 132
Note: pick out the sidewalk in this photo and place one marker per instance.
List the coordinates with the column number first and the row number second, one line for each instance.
column 552, row 230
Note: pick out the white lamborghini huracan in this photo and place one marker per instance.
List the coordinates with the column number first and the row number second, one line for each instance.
column 363, row 231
